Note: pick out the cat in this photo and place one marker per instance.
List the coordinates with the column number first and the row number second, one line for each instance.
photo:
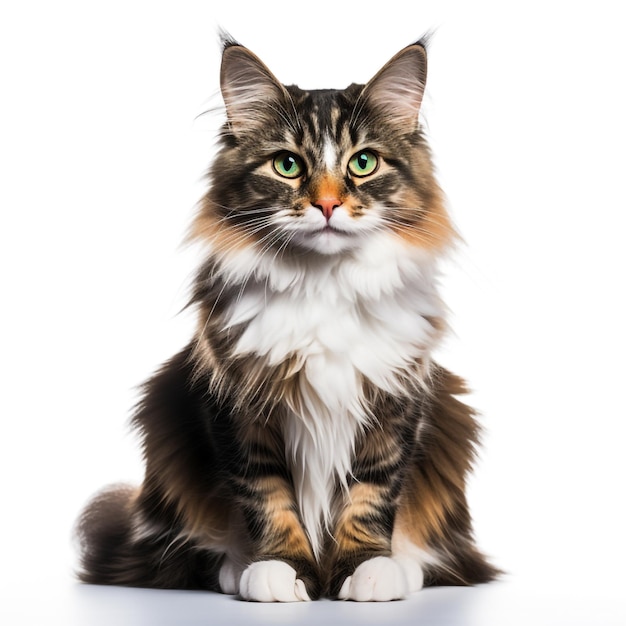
column 305, row 444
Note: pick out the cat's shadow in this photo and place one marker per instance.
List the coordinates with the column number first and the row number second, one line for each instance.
column 95, row 605
column 434, row 606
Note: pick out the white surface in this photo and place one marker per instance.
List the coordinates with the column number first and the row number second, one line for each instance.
column 100, row 165
column 492, row 605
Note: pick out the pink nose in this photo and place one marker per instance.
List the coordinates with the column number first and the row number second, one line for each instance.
column 327, row 206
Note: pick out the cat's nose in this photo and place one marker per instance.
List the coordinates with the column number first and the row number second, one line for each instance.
column 327, row 206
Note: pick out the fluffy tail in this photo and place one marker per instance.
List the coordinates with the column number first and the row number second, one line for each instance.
column 118, row 547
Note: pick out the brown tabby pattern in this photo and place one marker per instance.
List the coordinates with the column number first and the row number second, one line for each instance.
column 304, row 442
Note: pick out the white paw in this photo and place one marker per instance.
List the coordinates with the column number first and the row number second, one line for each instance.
column 413, row 572
column 272, row 581
column 378, row 580
column 230, row 573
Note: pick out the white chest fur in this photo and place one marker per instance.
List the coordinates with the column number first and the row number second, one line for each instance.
column 345, row 321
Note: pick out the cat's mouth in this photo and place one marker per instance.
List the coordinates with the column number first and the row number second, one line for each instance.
column 328, row 229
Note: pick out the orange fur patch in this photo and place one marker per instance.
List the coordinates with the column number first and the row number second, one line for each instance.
column 350, row 534
column 329, row 187
column 222, row 235
column 285, row 535
column 422, row 510
column 432, row 230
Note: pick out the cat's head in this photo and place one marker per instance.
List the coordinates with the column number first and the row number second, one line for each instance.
column 322, row 172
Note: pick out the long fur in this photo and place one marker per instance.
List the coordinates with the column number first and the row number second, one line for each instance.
column 304, row 443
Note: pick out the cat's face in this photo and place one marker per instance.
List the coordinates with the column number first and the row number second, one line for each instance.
column 324, row 171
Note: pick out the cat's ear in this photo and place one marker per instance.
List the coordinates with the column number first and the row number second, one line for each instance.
column 252, row 94
column 396, row 92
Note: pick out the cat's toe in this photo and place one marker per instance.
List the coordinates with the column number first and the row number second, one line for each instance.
column 272, row 581
column 377, row 580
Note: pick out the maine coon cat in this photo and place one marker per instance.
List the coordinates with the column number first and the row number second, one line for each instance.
column 304, row 443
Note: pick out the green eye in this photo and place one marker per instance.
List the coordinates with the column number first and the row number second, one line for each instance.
column 288, row 165
column 363, row 163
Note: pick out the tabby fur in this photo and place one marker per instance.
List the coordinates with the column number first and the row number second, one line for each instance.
column 304, row 443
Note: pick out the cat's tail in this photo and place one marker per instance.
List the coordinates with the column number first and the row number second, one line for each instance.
column 119, row 546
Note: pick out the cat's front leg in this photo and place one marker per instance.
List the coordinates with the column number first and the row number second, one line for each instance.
column 283, row 568
column 362, row 566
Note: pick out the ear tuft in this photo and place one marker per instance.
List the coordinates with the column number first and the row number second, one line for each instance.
column 226, row 39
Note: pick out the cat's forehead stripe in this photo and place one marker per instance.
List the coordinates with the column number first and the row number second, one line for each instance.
column 330, row 153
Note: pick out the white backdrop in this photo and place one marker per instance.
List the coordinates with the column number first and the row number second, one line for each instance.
column 102, row 154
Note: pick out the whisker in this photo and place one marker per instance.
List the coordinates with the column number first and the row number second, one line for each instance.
column 389, row 223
